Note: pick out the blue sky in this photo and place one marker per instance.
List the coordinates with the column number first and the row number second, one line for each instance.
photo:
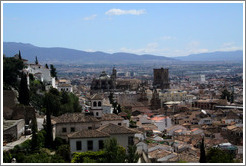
column 165, row 29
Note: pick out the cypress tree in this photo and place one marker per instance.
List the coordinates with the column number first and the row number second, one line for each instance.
column 34, row 143
column 202, row 152
column 48, row 105
column 53, row 71
column 36, row 60
column 20, row 55
column 119, row 108
column 47, row 67
column 24, row 97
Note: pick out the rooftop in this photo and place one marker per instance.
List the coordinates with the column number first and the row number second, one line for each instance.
column 88, row 134
column 75, row 118
column 116, row 129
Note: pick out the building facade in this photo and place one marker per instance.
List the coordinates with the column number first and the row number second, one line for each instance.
column 161, row 79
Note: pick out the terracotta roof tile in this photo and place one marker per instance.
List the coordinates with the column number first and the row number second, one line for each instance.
column 75, row 117
column 88, row 134
column 116, row 129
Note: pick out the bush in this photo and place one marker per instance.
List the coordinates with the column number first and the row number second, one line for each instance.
column 89, row 156
column 64, row 152
column 7, row 157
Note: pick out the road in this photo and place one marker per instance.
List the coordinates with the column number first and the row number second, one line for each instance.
column 11, row 145
column 22, row 139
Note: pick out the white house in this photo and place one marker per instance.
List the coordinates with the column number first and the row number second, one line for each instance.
column 65, row 87
column 162, row 122
column 41, row 73
column 86, row 140
column 73, row 122
column 177, row 129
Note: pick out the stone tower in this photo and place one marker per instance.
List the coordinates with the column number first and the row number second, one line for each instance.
column 161, row 79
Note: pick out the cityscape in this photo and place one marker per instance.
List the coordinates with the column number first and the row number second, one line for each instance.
column 131, row 105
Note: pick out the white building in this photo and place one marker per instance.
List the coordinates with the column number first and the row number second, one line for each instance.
column 93, row 140
column 162, row 122
column 65, row 87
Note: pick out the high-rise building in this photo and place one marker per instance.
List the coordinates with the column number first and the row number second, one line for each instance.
column 161, row 79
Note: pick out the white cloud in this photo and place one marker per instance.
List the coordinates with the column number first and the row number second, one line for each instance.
column 229, row 46
column 92, row 17
column 168, row 38
column 124, row 12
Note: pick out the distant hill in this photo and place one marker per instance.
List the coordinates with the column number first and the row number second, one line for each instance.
column 69, row 56
column 235, row 56
column 72, row 56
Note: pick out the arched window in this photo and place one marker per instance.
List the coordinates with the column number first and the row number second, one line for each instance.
column 99, row 104
column 94, row 104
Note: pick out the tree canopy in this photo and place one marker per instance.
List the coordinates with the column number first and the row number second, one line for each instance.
column 11, row 71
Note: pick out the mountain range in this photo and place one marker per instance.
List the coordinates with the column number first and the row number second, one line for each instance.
column 73, row 56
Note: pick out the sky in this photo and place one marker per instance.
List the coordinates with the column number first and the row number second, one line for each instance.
column 163, row 29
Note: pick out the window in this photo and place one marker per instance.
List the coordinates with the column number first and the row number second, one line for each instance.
column 100, row 142
column 78, row 145
column 72, row 129
column 130, row 140
column 96, row 113
column 94, row 104
column 99, row 104
column 89, row 145
column 64, row 130
column 89, row 128
column 119, row 124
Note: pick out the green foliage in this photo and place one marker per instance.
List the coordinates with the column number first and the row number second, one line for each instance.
column 64, row 152
column 53, row 71
column 114, row 153
column 24, row 96
column 182, row 161
column 36, row 60
column 58, row 142
column 226, row 95
column 132, row 124
column 132, row 156
column 11, row 69
column 89, row 156
column 202, row 152
column 34, row 142
column 50, row 105
column 216, row 155
column 7, row 157
column 63, row 102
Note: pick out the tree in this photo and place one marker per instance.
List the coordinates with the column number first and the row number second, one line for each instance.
column 49, row 107
column 119, row 108
column 34, row 143
column 11, row 70
column 47, row 67
column 216, row 155
column 115, row 111
column 226, row 95
column 24, row 97
column 132, row 156
column 64, row 152
column 53, row 71
column 114, row 153
column 202, row 152
column 20, row 55
column 36, row 60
